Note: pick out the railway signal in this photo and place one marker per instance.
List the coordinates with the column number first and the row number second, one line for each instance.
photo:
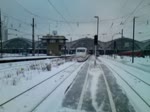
column 95, row 39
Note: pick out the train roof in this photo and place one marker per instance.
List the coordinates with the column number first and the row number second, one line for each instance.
column 81, row 48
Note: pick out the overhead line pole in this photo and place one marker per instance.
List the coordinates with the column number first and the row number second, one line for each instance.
column 33, row 40
column 133, row 40
column 122, row 39
column 1, row 39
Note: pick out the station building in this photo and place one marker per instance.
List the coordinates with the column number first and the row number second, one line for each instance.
column 49, row 44
column 22, row 46
column 55, row 44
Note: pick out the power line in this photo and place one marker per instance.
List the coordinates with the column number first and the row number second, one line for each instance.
column 19, row 20
column 54, row 20
column 16, row 30
column 59, row 13
column 133, row 11
column 28, row 11
column 33, row 14
column 66, row 8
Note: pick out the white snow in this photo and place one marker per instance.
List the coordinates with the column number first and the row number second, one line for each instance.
column 95, row 72
column 17, row 77
column 31, row 77
column 140, row 87
column 53, row 102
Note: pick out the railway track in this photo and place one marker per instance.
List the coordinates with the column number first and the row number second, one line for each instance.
column 110, row 96
column 129, row 85
column 53, row 90
column 131, row 74
column 131, row 88
column 135, row 67
column 33, row 87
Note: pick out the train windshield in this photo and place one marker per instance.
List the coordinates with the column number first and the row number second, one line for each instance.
column 80, row 50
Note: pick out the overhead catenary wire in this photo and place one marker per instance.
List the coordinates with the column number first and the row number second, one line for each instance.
column 59, row 13
column 65, row 21
column 33, row 14
column 133, row 11
column 48, row 20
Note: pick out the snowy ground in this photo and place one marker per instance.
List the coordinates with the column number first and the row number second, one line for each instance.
column 18, row 77
column 139, row 62
column 134, row 79
column 113, row 85
column 90, row 93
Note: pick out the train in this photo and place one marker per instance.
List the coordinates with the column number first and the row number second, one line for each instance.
column 81, row 54
column 137, row 53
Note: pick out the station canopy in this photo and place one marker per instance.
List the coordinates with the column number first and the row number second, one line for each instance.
column 17, row 43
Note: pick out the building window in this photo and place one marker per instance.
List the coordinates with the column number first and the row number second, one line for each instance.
column 52, row 41
column 44, row 41
column 60, row 47
column 61, row 41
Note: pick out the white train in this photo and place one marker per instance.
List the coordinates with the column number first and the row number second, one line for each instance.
column 81, row 54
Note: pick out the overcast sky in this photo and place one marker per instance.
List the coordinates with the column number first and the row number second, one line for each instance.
column 75, row 18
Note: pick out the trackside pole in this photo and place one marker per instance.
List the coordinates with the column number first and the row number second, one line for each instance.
column 95, row 57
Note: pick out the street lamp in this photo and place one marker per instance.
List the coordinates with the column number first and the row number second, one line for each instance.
column 97, row 17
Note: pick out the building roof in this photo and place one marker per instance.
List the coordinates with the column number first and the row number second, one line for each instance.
column 146, row 45
column 17, row 43
column 122, row 44
column 21, row 43
column 52, row 37
column 84, row 42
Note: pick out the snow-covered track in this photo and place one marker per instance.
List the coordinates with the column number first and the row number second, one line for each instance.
column 130, row 65
column 130, row 86
column 13, row 98
column 147, row 83
column 110, row 96
column 53, row 90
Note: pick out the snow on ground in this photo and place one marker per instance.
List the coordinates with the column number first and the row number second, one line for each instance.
column 13, row 73
column 27, row 79
column 95, row 74
column 89, row 92
column 127, row 72
column 72, row 97
column 139, row 62
column 53, row 102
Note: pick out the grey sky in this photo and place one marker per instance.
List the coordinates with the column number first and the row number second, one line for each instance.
column 79, row 15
